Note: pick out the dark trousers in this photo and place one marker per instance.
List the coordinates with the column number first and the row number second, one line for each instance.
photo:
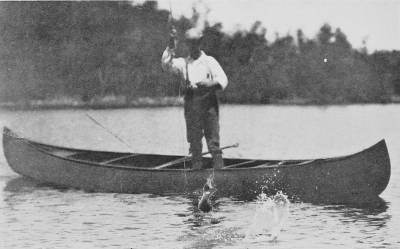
column 202, row 119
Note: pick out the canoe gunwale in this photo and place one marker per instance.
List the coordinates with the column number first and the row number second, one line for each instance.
column 279, row 165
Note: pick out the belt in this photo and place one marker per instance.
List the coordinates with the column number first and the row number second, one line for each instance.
column 198, row 91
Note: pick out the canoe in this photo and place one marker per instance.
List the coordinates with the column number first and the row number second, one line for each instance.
column 360, row 176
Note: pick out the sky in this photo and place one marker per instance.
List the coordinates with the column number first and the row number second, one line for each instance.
column 375, row 21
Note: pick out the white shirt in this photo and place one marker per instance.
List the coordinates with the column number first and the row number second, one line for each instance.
column 202, row 69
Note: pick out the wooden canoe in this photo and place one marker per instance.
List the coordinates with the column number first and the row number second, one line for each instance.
column 359, row 176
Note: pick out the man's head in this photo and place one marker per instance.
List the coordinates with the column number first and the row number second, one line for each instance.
column 193, row 40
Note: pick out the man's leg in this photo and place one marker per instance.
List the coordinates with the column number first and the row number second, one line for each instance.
column 194, row 134
column 211, row 132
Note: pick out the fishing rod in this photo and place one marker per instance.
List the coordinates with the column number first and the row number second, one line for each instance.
column 172, row 26
column 170, row 16
column 109, row 131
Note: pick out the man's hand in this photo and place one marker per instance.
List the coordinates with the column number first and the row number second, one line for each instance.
column 172, row 39
column 173, row 32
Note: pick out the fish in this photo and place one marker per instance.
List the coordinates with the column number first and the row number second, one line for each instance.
column 205, row 204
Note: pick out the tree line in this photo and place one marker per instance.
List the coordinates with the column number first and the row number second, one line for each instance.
column 87, row 50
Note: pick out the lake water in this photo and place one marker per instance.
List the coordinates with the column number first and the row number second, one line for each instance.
column 35, row 216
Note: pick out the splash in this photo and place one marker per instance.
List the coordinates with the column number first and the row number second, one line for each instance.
column 210, row 182
column 270, row 216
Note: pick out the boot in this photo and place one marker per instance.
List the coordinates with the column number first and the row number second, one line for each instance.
column 218, row 162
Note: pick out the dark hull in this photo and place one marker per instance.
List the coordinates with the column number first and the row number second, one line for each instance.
column 360, row 176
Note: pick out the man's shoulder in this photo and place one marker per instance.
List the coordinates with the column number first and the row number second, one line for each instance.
column 209, row 58
column 212, row 61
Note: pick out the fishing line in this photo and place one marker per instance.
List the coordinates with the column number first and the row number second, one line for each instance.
column 170, row 20
column 183, row 136
column 183, row 147
column 110, row 132
column 183, row 143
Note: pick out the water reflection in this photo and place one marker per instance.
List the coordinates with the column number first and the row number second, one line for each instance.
column 372, row 213
column 25, row 191
column 372, row 206
column 23, row 184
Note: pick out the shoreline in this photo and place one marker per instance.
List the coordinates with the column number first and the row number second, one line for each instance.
column 156, row 102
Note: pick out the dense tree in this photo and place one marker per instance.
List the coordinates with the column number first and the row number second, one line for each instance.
column 88, row 50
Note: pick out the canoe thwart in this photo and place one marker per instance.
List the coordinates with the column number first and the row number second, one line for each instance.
column 237, row 165
column 189, row 158
column 119, row 158
column 174, row 162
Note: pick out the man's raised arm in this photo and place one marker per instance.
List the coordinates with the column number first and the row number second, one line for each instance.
column 168, row 62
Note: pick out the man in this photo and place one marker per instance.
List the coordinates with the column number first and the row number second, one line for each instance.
column 203, row 76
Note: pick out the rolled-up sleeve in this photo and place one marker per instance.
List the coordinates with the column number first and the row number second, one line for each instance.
column 169, row 63
column 218, row 73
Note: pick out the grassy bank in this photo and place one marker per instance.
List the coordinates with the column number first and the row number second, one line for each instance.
column 108, row 102
column 114, row 102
